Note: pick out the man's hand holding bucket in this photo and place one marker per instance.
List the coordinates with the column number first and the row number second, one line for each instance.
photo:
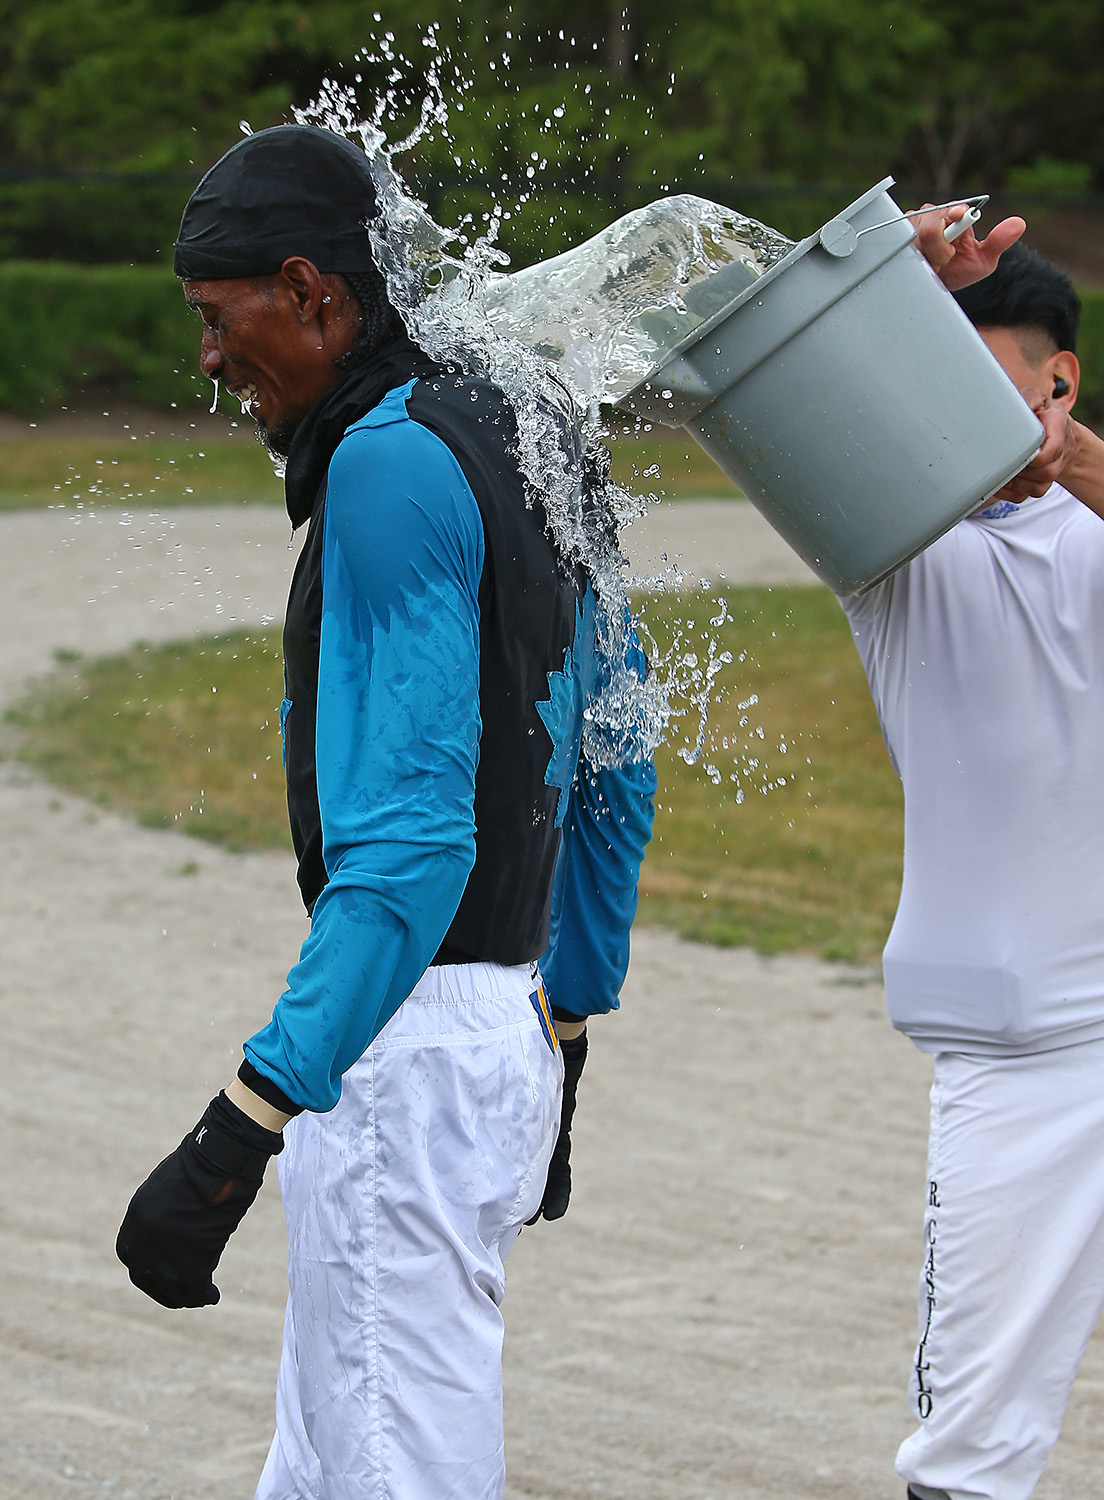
column 964, row 259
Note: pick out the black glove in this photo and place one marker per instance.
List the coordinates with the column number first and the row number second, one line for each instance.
column 557, row 1190
column 180, row 1219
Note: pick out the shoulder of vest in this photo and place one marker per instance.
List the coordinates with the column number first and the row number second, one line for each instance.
column 465, row 412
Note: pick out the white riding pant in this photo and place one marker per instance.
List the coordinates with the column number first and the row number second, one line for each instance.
column 1013, row 1277
column 401, row 1204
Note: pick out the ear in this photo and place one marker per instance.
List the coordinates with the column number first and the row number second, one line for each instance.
column 302, row 282
column 1063, row 366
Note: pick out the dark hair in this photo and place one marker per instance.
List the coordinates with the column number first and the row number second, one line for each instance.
column 1025, row 291
column 381, row 319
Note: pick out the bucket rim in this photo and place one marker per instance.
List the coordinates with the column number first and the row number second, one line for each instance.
column 801, row 249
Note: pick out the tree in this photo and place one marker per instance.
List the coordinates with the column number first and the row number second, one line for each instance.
column 577, row 110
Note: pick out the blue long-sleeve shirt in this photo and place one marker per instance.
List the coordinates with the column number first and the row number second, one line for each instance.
column 607, row 825
column 426, row 670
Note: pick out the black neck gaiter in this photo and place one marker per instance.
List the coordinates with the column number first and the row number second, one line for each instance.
column 317, row 436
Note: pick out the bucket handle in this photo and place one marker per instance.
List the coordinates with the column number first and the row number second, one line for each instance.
column 839, row 236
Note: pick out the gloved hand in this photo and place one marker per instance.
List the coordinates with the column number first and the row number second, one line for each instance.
column 180, row 1219
column 557, row 1190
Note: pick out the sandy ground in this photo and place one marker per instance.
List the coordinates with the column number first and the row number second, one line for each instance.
column 727, row 1309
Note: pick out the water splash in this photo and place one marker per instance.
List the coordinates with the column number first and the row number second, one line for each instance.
column 214, row 399
column 627, row 297
column 607, row 313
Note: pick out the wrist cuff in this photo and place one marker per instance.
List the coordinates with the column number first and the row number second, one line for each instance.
column 232, row 1142
column 559, row 1014
column 265, row 1089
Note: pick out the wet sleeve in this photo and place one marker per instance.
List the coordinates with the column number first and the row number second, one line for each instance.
column 594, row 894
column 397, row 743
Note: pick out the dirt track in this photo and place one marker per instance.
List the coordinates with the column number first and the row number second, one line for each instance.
column 727, row 1309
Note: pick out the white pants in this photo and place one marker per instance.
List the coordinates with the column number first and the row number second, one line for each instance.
column 1013, row 1277
column 401, row 1204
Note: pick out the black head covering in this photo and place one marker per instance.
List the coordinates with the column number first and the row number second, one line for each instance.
column 291, row 190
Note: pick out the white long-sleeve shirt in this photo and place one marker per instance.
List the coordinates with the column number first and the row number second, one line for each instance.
column 985, row 657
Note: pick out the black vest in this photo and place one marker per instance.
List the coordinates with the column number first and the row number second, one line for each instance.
column 527, row 602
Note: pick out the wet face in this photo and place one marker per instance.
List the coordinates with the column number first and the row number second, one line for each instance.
column 272, row 341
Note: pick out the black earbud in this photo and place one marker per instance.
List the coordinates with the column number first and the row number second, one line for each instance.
column 1061, row 387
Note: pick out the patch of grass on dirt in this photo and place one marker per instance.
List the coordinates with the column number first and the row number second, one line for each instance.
column 186, row 736
column 148, row 472
column 663, row 463
column 180, row 736
column 810, row 858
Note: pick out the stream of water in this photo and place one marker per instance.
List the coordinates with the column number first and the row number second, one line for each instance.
column 563, row 339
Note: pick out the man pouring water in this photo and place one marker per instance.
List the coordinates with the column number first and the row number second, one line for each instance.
column 985, row 656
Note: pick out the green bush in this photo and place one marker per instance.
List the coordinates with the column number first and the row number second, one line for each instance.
column 66, row 327
column 93, row 219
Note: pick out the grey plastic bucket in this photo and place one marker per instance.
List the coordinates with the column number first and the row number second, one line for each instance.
column 849, row 397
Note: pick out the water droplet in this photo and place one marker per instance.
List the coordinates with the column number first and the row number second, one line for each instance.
column 560, row 339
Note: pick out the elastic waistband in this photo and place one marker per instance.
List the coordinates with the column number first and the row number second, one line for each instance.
column 452, row 984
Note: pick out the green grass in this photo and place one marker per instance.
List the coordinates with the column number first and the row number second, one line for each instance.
column 666, row 464
column 153, row 472
column 179, row 736
column 812, row 864
column 795, row 849
column 36, row 471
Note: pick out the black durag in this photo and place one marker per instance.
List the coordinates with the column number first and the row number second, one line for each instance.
column 302, row 190
column 291, row 190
